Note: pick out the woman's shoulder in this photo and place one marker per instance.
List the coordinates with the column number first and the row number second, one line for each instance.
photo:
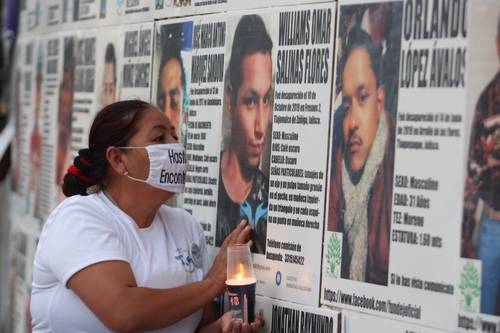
column 78, row 208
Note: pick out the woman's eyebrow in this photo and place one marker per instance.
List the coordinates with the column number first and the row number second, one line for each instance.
column 160, row 127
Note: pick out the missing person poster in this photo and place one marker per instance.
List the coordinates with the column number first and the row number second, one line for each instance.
column 134, row 61
column 35, row 149
column 109, row 66
column 188, row 86
column 288, row 234
column 355, row 322
column 24, row 239
column 53, row 18
column 174, row 8
column 52, row 101
column 131, row 11
column 77, row 99
column 25, row 182
column 395, row 191
column 30, row 16
column 479, row 275
column 20, row 118
column 84, row 13
column 285, row 317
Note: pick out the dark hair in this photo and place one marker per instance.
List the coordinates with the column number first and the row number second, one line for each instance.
column 171, row 39
column 250, row 37
column 359, row 38
column 114, row 125
column 109, row 58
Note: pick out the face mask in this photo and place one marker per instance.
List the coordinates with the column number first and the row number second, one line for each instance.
column 167, row 166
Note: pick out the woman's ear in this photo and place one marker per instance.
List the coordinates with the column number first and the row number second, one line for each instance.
column 115, row 156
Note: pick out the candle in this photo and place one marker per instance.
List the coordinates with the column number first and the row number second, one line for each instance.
column 241, row 283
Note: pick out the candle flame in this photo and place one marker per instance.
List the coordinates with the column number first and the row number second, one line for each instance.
column 239, row 276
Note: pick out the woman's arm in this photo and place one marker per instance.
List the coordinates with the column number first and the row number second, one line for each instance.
column 110, row 291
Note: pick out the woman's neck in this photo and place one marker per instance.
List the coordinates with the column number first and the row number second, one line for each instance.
column 141, row 208
column 237, row 179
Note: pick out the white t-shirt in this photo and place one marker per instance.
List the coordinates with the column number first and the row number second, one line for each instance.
column 84, row 230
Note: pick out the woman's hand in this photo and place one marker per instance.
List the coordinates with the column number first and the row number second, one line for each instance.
column 218, row 272
column 228, row 325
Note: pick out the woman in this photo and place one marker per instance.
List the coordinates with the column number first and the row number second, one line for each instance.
column 119, row 259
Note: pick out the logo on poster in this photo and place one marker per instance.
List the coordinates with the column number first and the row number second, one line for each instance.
column 470, row 287
column 278, row 278
column 334, row 255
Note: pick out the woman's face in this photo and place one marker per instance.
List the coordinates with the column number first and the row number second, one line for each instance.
column 153, row 128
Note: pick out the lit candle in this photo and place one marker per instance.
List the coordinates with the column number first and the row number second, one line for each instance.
column 241, row 283
column 240, row 279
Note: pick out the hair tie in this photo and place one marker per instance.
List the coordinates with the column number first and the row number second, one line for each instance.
column 86, row 162
column 73, row 170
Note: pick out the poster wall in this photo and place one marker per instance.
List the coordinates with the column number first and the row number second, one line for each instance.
column 257, row 93
column 400, row 90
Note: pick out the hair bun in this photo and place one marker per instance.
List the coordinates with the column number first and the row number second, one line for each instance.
column 84, row 162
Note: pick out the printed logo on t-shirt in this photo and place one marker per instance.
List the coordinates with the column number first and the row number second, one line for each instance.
column 185, row 257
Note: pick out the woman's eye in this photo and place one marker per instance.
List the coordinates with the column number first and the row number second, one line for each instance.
column 159, row 138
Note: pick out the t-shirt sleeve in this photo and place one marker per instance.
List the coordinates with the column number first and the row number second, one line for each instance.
column 77, row 238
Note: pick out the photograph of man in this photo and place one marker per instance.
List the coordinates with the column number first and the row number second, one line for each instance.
column 171, row 92
column 363, row 158
column 35, row 155
column 243, row 187
column 108, row 93
column 482, row 192
column 63, row 157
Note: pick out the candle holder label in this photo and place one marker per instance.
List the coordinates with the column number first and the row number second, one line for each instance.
column 242, row 299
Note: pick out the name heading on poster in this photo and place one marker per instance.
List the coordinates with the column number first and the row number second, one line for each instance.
column 425, row 63
column 208, row 67
column 299, row 64
column 85, row 65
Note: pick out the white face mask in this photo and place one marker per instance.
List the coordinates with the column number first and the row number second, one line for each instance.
column 167, row 166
